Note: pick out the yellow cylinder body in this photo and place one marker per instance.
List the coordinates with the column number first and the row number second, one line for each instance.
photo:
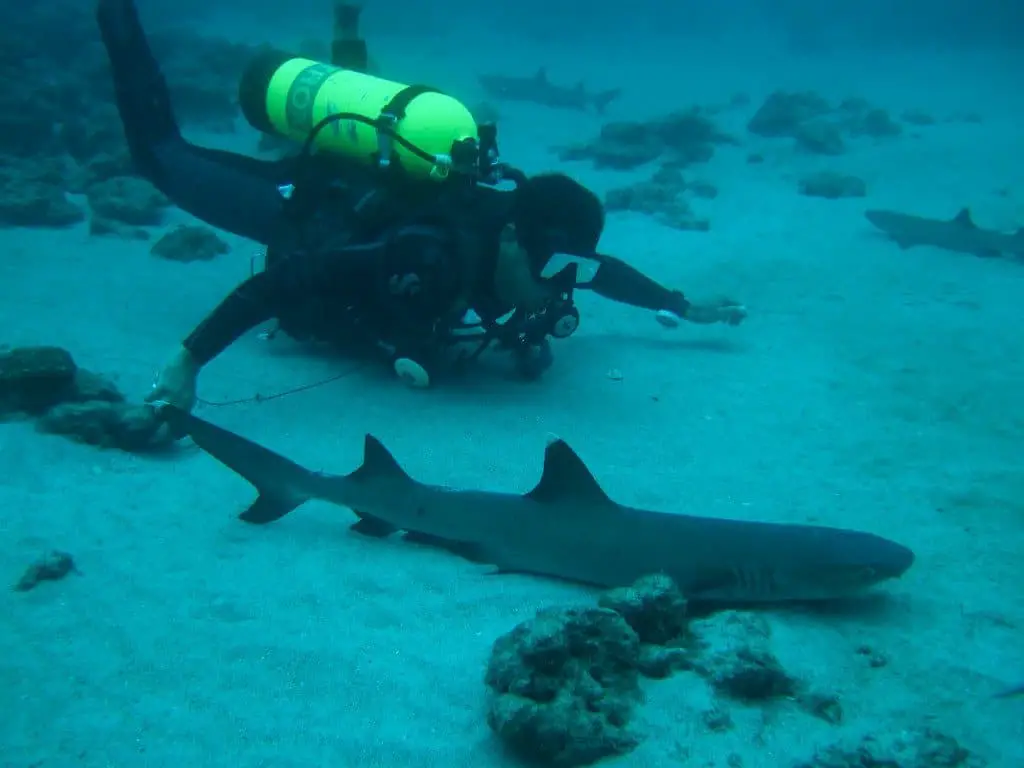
column 298, row 93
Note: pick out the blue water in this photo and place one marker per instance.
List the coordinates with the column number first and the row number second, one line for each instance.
column 871, row 387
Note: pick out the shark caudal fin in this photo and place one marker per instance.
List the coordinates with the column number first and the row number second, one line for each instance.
column 378, row 465
column 603, row 99
column 566, row 478
column 282, row 484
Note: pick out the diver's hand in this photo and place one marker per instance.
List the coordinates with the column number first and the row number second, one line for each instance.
column 532, row 360
column 719, row 310
column 176, row 383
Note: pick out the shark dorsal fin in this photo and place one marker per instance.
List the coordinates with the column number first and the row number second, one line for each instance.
column 566, row 478
column 964, row 218
column 542, row 75
column 378, row 462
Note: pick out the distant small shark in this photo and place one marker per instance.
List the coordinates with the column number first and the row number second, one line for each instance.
column 1016, row 690
column 539, row 90
column 567, row 527
column 958, row 234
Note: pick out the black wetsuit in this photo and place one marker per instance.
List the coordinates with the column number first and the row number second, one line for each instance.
column 347, row 254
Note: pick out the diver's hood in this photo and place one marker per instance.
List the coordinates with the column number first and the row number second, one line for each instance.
column 556, row 215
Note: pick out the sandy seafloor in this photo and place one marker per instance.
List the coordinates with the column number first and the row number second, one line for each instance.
column 871, row 388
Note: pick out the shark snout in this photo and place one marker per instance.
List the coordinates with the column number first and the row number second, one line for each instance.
column 847, row 563
column 879, row 558
column 881, row 219
column 902, row 558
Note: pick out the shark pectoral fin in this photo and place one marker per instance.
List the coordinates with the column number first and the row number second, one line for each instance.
column 566, row 479
column 268, row 508
column 964, row 219
column 378, row 462
column 368, row 525
column 904, row 242
column 988, row 253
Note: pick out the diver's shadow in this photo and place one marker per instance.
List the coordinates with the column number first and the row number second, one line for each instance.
column 711, row 344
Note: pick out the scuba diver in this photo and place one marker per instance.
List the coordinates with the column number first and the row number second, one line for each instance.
column 410, row 250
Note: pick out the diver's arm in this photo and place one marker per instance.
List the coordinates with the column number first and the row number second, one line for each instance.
column 618, row 281
column 233, row 192
column 288, row 284
column 251, row 303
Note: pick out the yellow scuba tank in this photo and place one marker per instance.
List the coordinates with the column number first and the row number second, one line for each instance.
column 360, row 116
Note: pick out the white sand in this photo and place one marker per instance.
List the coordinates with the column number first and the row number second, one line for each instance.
column 871, row 388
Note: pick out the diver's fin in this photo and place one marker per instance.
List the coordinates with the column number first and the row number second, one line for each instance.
column 351, row 55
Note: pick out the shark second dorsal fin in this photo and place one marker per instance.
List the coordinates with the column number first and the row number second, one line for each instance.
column 566, row 478
column 378, row 462
column 964, row 218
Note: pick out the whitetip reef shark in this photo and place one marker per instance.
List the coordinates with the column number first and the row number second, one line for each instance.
column 566, row 527
column 958, row 234
column 540, row 90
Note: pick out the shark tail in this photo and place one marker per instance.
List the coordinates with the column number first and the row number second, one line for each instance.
column 282, row 484
column 603, row 99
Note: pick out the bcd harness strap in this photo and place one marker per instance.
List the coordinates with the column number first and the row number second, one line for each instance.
column 391, row 115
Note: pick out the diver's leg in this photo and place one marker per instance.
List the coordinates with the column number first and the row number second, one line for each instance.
column 234, row 192
column 348, row 49
column 139, row 86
